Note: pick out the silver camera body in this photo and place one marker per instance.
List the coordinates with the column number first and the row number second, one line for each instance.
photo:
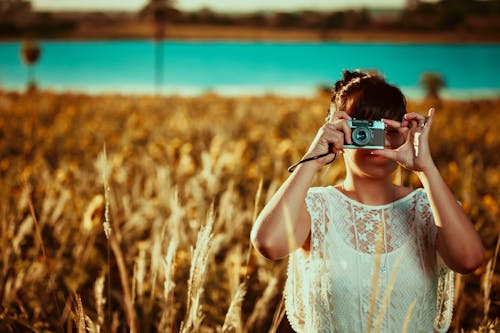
column 366, row 134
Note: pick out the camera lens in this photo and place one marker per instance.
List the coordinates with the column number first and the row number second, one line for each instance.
column 361, row 136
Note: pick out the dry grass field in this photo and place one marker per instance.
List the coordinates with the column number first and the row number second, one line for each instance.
column 151, row 233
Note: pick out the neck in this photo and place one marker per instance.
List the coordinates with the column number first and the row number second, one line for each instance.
column 369, row 191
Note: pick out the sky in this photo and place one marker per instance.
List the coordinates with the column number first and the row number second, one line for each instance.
column 218, row 5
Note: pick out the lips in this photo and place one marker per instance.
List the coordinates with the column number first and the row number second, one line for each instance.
column 373, row 156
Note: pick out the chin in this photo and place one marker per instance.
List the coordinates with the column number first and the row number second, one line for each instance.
column 377, row 173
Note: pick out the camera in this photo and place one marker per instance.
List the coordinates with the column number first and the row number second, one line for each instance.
column 366, row 134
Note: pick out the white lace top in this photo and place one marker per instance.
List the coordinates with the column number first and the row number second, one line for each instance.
column 369, row 269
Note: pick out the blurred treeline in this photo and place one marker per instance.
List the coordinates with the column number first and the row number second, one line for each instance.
column 19, row 19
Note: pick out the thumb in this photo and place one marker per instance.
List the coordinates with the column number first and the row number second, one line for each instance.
column 430, row 118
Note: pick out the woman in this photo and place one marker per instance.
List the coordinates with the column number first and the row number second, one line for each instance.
column 368, row 255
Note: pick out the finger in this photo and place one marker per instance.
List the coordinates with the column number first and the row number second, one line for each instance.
column 414, row 115
column 341, row 126
column 419, row 118
column 336, row 140
column 430, row 117
column 331, row 135
column 428, row 123
column 339, row 115
column 392, row 123
column 344, row 127
column 413, row 124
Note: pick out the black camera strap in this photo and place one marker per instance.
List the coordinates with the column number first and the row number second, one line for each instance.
column 291, row 168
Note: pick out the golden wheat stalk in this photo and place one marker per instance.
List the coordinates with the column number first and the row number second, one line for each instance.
column 232, row 321
column 488, row 282
column 37, row 227
column 408, row 314
column 254, row 218
column 80, row 315
column 169, row 268
column 260, row 310
column 168, row 287
column 103, row 161
column 279, row 313
column 197, row 275
column 117, row 251
column 139, row 274
column 100, row 300
column 387, row 294
column 379, row 248
column 91, row 326
column 155, row 266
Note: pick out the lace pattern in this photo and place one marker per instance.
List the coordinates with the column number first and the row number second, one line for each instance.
column 325, row 290
column 298, row 299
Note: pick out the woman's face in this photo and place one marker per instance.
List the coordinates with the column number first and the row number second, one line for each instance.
column 361, row 162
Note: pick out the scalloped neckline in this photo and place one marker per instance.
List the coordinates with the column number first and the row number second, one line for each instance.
column 390, row 204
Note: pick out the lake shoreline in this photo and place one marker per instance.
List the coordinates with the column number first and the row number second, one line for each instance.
column 266, row 34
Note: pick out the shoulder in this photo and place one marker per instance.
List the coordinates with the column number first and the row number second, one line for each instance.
column 317, row 202
column 415, row 200
column 421, row 196
column 403, row 192
column 317, row 190
column 317, row 193
column 423, row 207
column 325, row 194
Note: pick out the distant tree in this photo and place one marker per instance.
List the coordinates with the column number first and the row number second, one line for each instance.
column 311, row 19
column 30, row 53
column 258, row 19
column 412, row 4
column 285, row 20
column 207, row 15
column 335, row 19
column 161, row 11
column 432, row 82
column 10, row 8
column 357, row 19
column 451, row 15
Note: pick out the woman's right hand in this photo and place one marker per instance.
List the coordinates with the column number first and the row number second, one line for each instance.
column 330, row 138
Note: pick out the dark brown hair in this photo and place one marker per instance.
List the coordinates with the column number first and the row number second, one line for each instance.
column 367, row 96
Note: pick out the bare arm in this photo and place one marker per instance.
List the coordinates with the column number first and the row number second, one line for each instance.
column 457, row 241
column 284, row 224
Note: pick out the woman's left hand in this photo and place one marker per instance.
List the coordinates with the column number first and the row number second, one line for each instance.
column 414, row 154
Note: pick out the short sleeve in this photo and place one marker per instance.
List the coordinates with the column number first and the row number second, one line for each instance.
column 316, row 207
column 445, row 276
column 300, row 266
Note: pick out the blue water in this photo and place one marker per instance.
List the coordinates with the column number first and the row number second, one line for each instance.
column 250, row 68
